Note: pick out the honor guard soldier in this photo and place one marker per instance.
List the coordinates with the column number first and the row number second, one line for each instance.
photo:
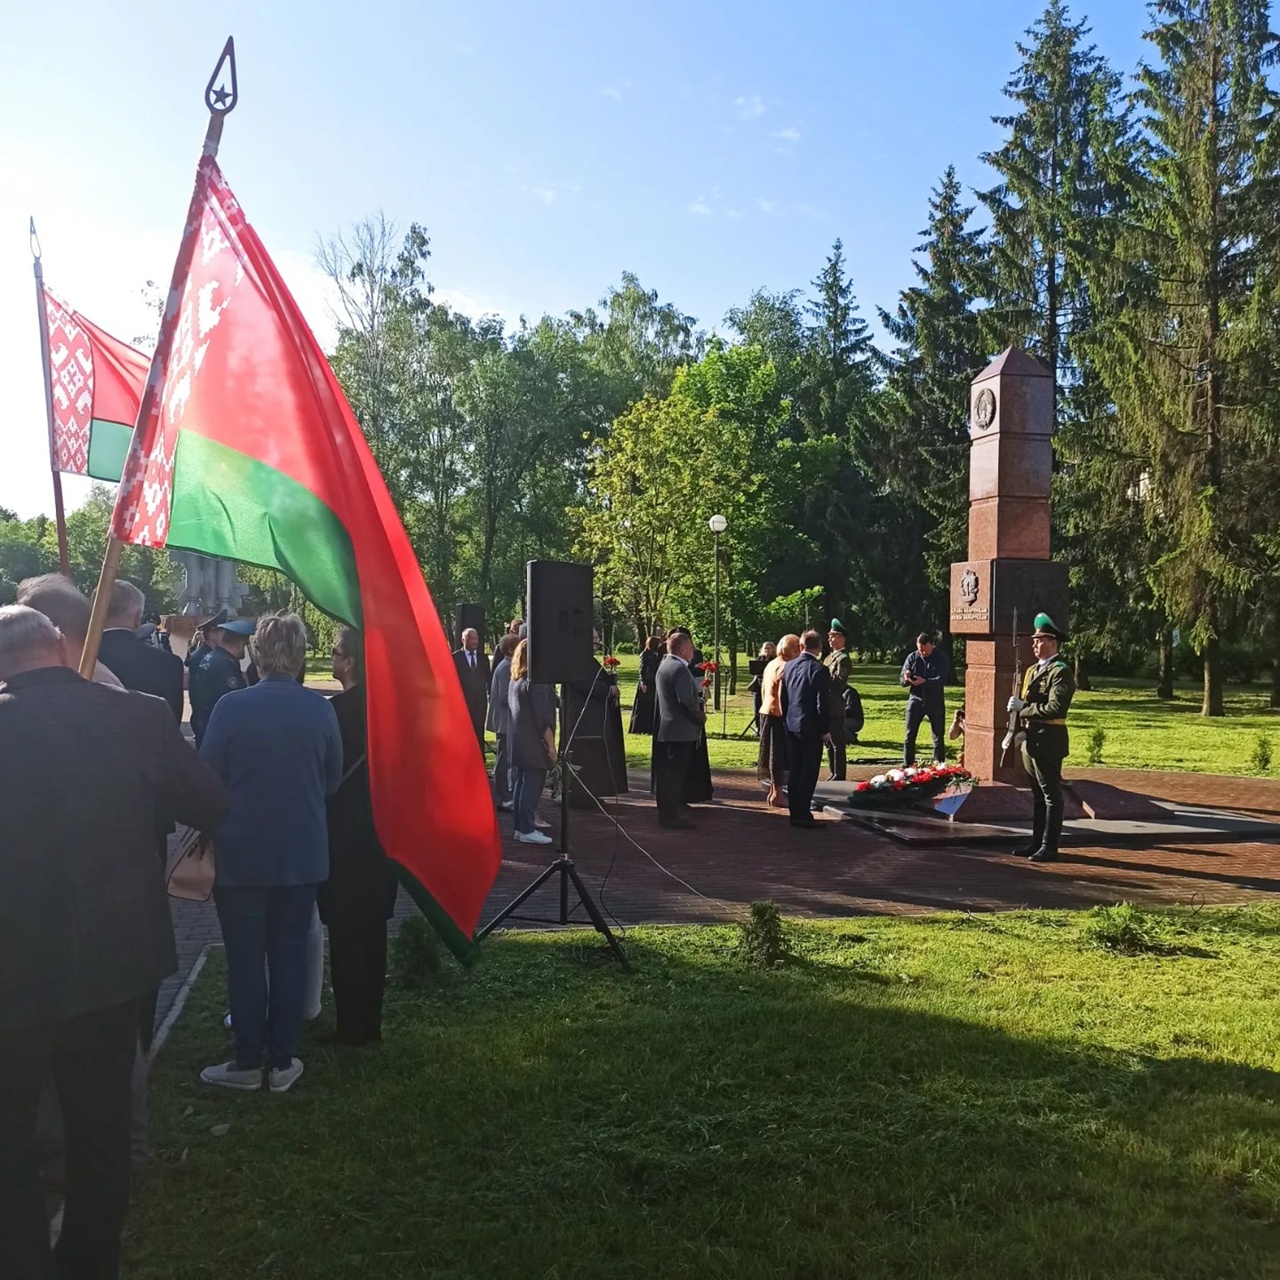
column 217, row 670
column 1047, row 689
column 840, row 667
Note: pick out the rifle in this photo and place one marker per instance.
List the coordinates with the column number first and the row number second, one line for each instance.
column 1012, row 732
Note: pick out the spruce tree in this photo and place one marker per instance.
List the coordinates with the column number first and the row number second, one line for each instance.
column 1189, row 355
column 923, row 433
column 835, row 402
column 841, row 374
column 1053, row 191
column 1064, row 170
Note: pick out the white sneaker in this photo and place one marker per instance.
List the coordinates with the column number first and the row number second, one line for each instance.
column 539, row 825
column 280, row 1078
column 506, row 805
column 229, row 1077
column 532, row 837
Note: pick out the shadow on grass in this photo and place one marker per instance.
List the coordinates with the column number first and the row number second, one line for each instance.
column 547, row 1117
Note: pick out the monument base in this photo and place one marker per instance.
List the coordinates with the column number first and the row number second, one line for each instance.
column 999, row 802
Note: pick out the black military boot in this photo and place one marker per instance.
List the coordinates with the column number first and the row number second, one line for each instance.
column 1037, row 833
column 1048, row 852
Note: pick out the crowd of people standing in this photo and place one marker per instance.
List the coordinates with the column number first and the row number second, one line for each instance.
column 280, row 780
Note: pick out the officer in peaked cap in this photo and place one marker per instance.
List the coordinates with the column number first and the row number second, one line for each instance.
column 840, row 667
column 1047, row 690
column 200, row 641
column 217, row 671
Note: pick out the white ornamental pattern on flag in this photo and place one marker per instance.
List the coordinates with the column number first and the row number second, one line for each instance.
column 146, row 488
column 71, row 372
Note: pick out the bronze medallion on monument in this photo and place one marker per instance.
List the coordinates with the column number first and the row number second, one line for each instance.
column 984, row 408
column 969, row 587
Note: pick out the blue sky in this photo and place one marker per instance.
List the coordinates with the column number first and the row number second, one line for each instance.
column 712, row 148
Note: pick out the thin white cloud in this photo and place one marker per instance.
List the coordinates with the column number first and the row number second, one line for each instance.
column 734, row 213
column 544, row 192
column 700, row 207
column 474, row 304
column 809, row 210
column 766, row 206
column 616, row 91
column 750, row 106
column 786, row 135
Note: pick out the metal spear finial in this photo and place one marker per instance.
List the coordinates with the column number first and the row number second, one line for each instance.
column 220, row 99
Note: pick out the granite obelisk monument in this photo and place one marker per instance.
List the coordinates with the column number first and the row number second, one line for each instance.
column 1010, row 473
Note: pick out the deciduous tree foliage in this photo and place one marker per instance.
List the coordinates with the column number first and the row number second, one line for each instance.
column 1132, row 244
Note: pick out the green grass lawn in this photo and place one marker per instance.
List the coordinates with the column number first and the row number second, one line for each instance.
column 953, row 1096
column 1142, row 732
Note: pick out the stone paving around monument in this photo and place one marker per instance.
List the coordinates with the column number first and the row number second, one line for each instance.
column 742, row 852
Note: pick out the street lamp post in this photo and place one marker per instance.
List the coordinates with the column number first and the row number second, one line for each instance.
column 717, row 525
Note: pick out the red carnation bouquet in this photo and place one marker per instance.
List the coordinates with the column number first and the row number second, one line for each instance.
column 897, row 788
column 612, row 663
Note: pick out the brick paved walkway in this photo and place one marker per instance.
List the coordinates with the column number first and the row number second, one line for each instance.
column 741, row 852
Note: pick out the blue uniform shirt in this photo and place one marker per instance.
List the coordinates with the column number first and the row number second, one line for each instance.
column 216, row 672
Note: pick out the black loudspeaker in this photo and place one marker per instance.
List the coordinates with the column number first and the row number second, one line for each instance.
column 560, row 621
column 464, row 616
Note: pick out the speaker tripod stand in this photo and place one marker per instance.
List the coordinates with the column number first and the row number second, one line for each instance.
column 565, row 868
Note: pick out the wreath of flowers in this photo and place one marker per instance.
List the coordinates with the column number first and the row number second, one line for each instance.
column 909, row 785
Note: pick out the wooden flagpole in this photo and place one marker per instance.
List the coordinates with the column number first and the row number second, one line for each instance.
column 59, row 509
column 221, row 101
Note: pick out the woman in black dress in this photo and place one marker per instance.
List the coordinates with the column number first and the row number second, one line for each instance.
column 768, row 651
column 644, row 707
column 592, row 715
column 358, row 898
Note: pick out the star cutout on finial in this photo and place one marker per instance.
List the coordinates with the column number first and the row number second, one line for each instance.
column 221, row 97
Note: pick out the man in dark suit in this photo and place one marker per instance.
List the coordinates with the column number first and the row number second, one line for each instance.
column 473, row 675
column 136, row 664
column 145, row 669
column 806, row 694
column 86, row 775
column 680, row 721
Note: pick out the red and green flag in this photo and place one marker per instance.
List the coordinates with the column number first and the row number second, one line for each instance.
column 252, row 453
column 97, row 386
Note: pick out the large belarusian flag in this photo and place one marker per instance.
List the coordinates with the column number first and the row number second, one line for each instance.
column 97, row 387
column 251, row 452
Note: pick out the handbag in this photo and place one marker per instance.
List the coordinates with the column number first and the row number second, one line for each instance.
column 190, row 879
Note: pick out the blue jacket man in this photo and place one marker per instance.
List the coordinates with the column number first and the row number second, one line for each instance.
column 806, row 713
column 924, row 673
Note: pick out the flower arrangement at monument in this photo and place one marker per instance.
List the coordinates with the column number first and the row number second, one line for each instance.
column 611, row 663
column 912, row 785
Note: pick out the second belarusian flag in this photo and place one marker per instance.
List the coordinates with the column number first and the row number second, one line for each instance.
column 251, row 452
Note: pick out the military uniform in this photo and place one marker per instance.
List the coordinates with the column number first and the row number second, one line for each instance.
column 839, row 666
column 1047, row 690
column 215, row 673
